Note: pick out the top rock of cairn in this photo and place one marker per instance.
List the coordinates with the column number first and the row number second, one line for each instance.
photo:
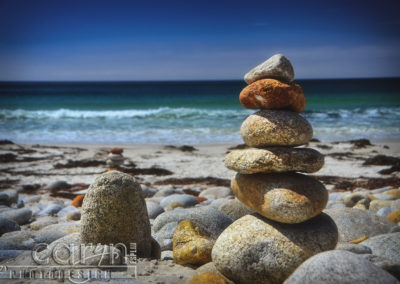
column 276, row 67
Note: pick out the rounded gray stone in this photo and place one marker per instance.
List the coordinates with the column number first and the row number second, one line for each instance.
column 352, row 198
column 276, row 67
column 66, row 210
column 216, row 193
column 114, row 211
column 386, row 246
column 186, row 199
column 20, row 216
column 7, row 225
column 257, row 250
column 207, row 216
column 53, row 232
column 8, row 197
column 74, row 216
column 165, row 234
column 235, row 209
column 274, row 159
column 50, row 209
column 354, row 223
column 153, row 209
column 275, row 128
column 339, row 266
column 354, row 248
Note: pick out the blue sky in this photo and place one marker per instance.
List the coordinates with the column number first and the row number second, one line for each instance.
column 195, row 40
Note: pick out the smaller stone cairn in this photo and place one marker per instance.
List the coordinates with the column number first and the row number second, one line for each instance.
column 115, row 158
column 289, row 227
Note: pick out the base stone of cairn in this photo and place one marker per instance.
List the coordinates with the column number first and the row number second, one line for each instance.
column 288, row 228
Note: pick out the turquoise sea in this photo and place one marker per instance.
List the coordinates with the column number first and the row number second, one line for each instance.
column 185, row 112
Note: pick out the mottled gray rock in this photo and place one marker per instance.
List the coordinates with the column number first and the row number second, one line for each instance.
column 390, row 266
column 354, row 223
column 276, row 67
column 7, row 254
column 21, row 216
column 165, row 234
column 53, row 232
column 384, row 212
column 257, row 250
column 382, row 196
column 274, row 159
column 377, row 204
column 339, row 266
column 358, row 249
column 395, row 229
column 7, row 225
column 8, row 197
column 275, row 128
column 216, row 193
column 148, row 191
column 208, row 216
column 57, row 185
column 17, row 240
column 74, row 216
column 51, row 209
column 352, row 198
column 66, row 210
column 153, row 209
column 186, row 199
column 235, row 209
column 167, row 192
column 218, row 202
column 114, row 211
column 43, row 222
column 386, row 246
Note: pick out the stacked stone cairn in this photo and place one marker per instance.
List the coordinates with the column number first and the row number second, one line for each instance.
column 289, row 227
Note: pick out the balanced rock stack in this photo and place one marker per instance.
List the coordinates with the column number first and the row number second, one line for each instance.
column 289, row 227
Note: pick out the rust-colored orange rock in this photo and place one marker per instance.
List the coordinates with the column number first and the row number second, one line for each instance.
column 273, row 94
column 116, row 151
column 208, row 278
column 200, row 199
column 77, row 202
column 394, row 216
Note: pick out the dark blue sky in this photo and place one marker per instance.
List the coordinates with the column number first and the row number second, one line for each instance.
column 184, row 40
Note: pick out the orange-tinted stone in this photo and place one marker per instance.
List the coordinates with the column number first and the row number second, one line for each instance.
column 208, row 278
column 77, row 202
column 273, row 94
column 394, row 216
column 116, row 151
column 200, row 199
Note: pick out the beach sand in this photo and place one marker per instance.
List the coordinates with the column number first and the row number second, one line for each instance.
column 30, row 168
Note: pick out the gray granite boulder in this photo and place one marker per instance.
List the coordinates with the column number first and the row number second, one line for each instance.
column 64, row 211
column 386, row 246
column 43, row 222
column 276, row 67
column 20, row 216
column 51, row 209
column 114, row 211
column 187, row 200
column 339, row 266
column 7, row 225
column 212, row 193
column 354, row 248
column 153, row 209
column 257, row 250
column 208, row 216
column 57, row 185
column 235, row 209
column 53, row 232
column 8, row 197
column 354, row 223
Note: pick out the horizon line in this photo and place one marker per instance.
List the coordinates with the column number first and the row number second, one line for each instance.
column 183, row 80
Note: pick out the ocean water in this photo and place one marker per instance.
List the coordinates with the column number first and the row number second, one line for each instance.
column 185, row 112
